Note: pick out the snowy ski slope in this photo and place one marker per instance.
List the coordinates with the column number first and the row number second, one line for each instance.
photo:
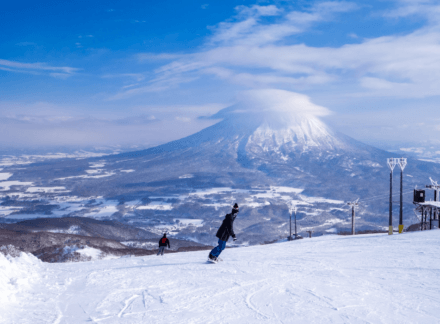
column 331, row 279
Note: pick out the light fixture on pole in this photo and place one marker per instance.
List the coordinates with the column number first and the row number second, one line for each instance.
column 392, row 162
column 402, row 164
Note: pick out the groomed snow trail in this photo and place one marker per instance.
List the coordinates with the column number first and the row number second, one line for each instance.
column 331, row 279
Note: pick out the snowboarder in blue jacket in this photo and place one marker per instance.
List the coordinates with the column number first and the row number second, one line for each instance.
column 224, row 232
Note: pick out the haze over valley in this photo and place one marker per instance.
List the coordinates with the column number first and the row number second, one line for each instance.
column 268, row 153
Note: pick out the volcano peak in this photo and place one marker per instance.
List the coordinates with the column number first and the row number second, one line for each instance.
column 295, row 132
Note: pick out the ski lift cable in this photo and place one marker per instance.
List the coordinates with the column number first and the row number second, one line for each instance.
column 396, row 194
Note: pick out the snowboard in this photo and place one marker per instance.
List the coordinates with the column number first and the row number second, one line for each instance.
column 213, row 261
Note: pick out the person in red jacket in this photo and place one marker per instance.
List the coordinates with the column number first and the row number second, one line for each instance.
column 224, row 232
column 163, row 242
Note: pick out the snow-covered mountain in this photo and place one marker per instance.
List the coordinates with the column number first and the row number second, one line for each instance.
column 263, row 156
column 362, row 279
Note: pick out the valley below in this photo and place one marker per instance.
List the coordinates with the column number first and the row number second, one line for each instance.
column 267, row 164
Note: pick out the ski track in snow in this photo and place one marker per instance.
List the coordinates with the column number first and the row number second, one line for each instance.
column 331, row 279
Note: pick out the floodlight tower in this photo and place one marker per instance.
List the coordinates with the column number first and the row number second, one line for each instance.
column 402, row 164
column 353, row 205
column 392, row 162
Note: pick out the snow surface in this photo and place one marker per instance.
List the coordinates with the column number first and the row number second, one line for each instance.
column 11, row 160
column 97, row 165
column 5, row 176
column 330, row 279
column 141, row 245
column 294, row 130
column 104, row 210
column 17, row 277
column 6, row 210
column 106, row 174
column 189, row 221
column 6, row 185
column 74, row 229
column 286, row 189
column 94, row 171
column 157, row 205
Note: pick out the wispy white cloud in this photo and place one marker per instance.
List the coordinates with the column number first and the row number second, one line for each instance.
column 154, row 56
column 254, row 52
column 249, row 28
column 45, row 124
column 136, row 76
column 38, row 68
column 246, row 41
column 156, row 85
column 429, row 9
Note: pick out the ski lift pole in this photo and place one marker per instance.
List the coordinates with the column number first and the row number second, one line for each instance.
column 402, row 164
column 352, row 221
column 290, row 231
column 296, row 234
column 391, row 164
column 401, row 203
column 353, row 216
column 292, row 209
column 390, row 223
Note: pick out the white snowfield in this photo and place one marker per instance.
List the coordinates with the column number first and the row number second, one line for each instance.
column 331, row 279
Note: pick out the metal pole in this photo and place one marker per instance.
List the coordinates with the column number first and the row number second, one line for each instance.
column 424, row 223
column 290, row 236
column 390, row 228
column 401, row 202
column 353, row 216
column 438, row 217
column 295, row 225
column 424, row 219
column 352, row 221
column 430, row 219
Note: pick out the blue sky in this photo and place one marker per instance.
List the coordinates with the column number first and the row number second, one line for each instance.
column 127, row 73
